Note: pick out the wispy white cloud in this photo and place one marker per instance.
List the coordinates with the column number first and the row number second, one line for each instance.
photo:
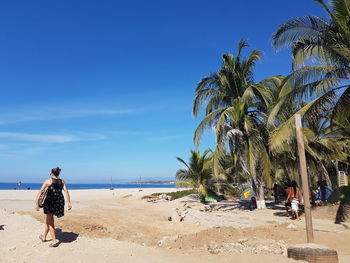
column 43, row 138
column 47, row 113
column 27, row 144
column 19, row 139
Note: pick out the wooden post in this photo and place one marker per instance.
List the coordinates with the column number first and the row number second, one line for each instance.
column 304, row 178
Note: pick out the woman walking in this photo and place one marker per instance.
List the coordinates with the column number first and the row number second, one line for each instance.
column 296, row 198
column 53, row 204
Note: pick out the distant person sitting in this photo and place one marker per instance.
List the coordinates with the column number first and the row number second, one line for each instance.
column 323, row 191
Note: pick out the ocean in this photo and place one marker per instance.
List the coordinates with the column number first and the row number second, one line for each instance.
column 35, row 186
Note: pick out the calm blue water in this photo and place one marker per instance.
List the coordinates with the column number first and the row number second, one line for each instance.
column 32, row 186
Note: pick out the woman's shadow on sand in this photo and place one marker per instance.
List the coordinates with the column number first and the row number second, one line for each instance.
column 66, row 237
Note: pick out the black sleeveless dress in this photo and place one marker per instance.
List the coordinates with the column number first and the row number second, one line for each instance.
column 54, row 202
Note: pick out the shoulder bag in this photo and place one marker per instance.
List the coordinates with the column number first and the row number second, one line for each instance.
column 42, row 197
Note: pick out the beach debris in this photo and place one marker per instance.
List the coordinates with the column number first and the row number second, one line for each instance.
column 126, row 196
column 214, row 248
column 242, row 240
column 165, row 197
column 292, row 226
column 224, row 206
column 164, row 240
column 155, row 198
column 160, row 243
column 205, row 208
column 262, row 246
column 151, row 198
column 12, row 249
column 162, row 196
column 178, row 215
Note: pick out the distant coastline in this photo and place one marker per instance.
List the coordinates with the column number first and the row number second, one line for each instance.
column 37, row 186
column 155, row 182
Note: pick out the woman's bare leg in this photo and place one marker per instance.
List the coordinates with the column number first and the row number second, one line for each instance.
column 51, row 224
column 46, row 230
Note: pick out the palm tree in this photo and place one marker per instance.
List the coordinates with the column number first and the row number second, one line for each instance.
column 221, row 88
column 198, row 173
column 219, row 91
column 235, row 108
column 321, row 67
column 321, row 71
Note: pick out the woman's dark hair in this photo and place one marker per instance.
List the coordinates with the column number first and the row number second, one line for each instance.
column 56, row 171
column 294, row 185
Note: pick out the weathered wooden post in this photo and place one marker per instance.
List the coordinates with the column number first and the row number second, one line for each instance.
column 309, row 252
column 304, row 179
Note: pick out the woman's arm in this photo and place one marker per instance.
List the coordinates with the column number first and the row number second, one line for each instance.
column 67, row 195
column 300, row 196
column 43, row 187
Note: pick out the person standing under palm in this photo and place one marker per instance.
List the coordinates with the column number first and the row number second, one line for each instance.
column 295, row 196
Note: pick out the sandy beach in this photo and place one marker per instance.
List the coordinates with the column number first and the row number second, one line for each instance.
column 119, row 226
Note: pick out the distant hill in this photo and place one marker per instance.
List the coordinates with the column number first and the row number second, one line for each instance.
column 153, row 182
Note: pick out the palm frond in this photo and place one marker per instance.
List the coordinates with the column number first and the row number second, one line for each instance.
column 286, row 131
column 298, row 28
column 207, row 122
column 343, row 212
column 180, row 183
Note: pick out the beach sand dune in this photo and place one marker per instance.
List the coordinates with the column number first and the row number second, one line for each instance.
column 119, row 226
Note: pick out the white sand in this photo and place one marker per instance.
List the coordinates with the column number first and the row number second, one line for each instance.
column 132, row 226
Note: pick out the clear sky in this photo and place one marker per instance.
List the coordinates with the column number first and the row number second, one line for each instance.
column 105, row 88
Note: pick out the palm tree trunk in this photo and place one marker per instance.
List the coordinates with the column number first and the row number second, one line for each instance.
column 260, row 200
column 258, row 187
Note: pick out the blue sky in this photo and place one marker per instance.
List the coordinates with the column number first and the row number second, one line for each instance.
column 105, row 88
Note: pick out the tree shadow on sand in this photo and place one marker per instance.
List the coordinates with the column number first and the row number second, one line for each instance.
column 281, row 214
column 2, row 227
column 66, row 237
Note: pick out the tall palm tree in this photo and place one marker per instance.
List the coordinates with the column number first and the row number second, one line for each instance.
column 321, row 66
column 321, row 71
column 219, row 89
column 235, row 108
column 197, row 173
